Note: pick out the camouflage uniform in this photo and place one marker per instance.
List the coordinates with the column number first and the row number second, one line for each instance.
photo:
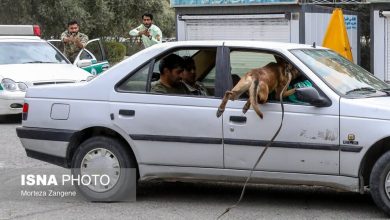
column 70, row 49
column 158, row 87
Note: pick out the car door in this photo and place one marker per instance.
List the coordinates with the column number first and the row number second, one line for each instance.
column 307, row 143
column 93, row 52
column 92, row 58
column 170, row 129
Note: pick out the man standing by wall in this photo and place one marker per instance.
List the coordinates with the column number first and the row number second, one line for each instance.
column 73, row 40
column 150, row 34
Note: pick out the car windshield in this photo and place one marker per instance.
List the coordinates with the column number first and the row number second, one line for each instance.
column 29, row 52
column 345, row 77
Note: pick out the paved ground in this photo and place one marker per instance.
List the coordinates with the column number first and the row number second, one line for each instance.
column 172, row 200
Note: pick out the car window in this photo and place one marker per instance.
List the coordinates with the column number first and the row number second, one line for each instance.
column 204, row 60
column 345, row 77
column 29, row 52
column 85, row 55
column 241, row 62
column 136, row 82
column 94, row 48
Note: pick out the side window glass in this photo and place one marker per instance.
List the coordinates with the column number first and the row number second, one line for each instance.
column 85, row 55
column 244, row 61
column 209, row 80
column 58, row 44
column 94, row 48
column 136, row 82
column 196, row 77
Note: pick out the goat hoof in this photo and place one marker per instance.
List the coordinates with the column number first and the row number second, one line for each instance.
column 219, row 113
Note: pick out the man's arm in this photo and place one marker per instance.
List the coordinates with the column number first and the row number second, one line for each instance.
column 136, row 31
column 81, row 40
column 64, row 37
column 156, row 36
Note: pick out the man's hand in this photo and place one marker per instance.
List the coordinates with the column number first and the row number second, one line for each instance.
column 75, row 40
column 67, row 39
column 71, row 39
column 144, row 32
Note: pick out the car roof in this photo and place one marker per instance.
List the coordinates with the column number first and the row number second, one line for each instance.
column 20, row 39
column 240, row 43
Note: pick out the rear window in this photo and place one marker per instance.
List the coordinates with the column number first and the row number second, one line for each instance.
column 29, row 52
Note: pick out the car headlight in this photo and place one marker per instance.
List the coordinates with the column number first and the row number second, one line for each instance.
column 10, row 85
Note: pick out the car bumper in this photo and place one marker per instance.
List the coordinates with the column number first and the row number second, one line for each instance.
column 49, row 145
column 11, row 102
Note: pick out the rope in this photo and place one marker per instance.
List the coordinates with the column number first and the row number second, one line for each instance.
column 263, row 152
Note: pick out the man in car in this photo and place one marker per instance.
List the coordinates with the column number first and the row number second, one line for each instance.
column 171, row 69
column 189, row 78
column 149, row 33
column 74, row 41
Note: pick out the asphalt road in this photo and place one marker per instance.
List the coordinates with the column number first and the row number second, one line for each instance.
column 171, row 200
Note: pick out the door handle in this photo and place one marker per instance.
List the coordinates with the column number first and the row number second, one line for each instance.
column 239, row 119
column 126, row 112
column 105, row 67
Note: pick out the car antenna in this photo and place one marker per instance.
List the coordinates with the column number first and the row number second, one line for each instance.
column 314, row 44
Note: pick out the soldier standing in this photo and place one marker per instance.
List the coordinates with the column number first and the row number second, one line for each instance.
column 74, row 41
column 149, row 33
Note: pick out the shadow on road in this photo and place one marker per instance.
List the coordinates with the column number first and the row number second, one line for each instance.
column 258, row 197
column 11, row 119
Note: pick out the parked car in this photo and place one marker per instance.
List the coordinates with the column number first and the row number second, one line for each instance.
column 336, row 135
column 92, row 58
column 26, row 61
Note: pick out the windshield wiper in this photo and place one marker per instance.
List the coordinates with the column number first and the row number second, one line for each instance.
column 37, row 61
column 366, row 89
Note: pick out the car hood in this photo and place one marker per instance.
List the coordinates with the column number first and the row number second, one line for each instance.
column 374, row 107
column 31, row 73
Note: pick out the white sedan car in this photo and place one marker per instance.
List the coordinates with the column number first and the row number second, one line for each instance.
column 336, row 129
column 27, row 61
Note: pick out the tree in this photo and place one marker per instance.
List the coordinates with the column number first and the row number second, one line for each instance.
column 97, row 18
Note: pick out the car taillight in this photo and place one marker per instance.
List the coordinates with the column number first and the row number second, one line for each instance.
column 37, row 30
column 25, row 111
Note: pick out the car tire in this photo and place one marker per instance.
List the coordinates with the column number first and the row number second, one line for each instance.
column 108, row 156
column 380, row 183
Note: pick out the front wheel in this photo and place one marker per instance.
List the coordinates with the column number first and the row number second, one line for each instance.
column 380, row 183
column 104, row 170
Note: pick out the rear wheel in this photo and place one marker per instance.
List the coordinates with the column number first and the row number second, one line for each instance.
column 105, row 170
column 380, row 183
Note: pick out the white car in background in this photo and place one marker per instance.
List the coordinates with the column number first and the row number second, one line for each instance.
column 25, row 61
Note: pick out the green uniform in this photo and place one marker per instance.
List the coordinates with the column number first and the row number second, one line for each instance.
column 158, row 87
column 154, row 38
column 293, row 97
column 199, row 89
column 71, row 49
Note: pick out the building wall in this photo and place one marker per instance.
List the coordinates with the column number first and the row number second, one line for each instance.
column 308, row 23
column 379, row 42
column 291, row 11
column 316, row 21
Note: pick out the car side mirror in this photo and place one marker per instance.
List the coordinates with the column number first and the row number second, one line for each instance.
column 311, row 96
column 84, row 63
